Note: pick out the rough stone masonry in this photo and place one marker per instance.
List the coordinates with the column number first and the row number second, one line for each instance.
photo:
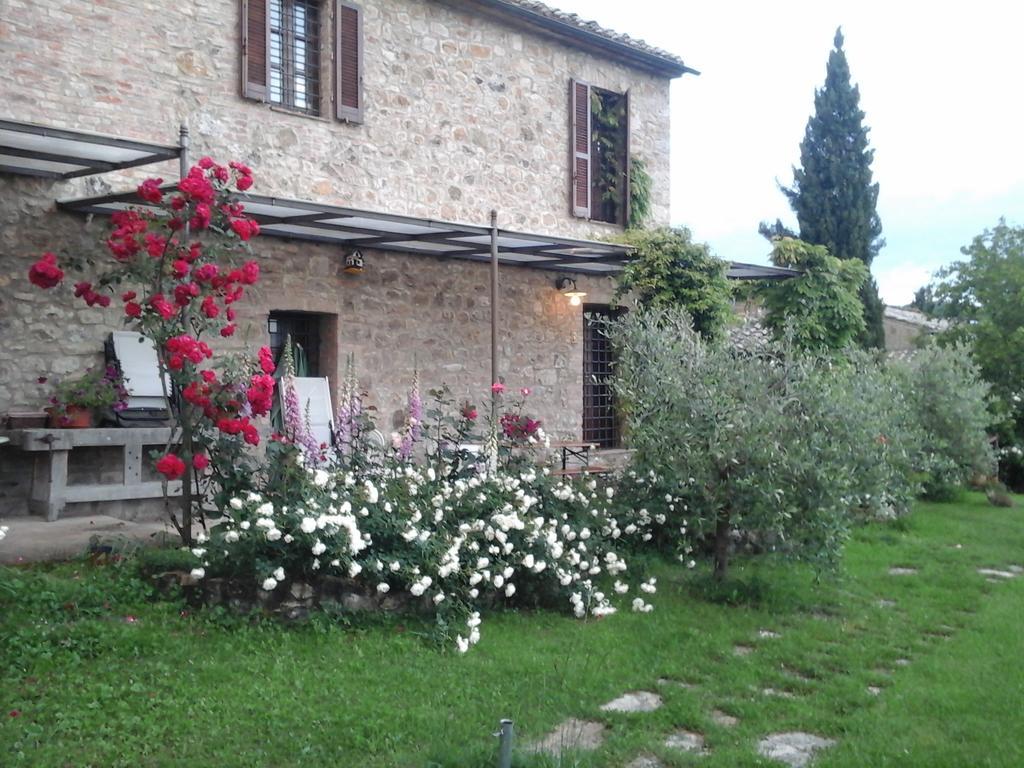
column 463, row 113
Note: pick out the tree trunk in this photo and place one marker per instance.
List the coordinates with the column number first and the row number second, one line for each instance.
column 722, row 528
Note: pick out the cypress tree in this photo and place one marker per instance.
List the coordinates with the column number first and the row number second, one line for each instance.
column 832, row 194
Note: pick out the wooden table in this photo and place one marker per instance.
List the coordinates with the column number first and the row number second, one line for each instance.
column 579, row 451
column 50, row 489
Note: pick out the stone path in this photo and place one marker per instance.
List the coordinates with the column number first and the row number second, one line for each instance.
column 902, row 571
column 724, row 719
column 742, row 650
column 995, row 574
column 795, row 749
column 687, row 741
column 571, row 734
column 634, row 701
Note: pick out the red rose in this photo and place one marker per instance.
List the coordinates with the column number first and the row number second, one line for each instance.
column 245, row 228
column 209, row 376
column 227, row 330
column 267, row 360
column 210, row 308
column 243, row 183
column 128, row 295
column 250, row 273
column 180, row 268
column 149, row 190
column 200, row 461
column 45, row 273
column 170, row 466
column 131, row 309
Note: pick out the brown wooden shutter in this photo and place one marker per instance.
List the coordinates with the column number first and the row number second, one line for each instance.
column 348, row 62
column 579, row 110
column 255, row 50
column 627, row 201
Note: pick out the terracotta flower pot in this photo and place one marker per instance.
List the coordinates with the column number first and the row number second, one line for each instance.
column 73, row 417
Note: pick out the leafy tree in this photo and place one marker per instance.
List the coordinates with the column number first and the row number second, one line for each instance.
column 832, row 194
column 759, row 445
column 983, row 296
column 821, row 309
column 669, row 269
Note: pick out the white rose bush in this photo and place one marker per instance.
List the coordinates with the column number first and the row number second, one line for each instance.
column 453, row 533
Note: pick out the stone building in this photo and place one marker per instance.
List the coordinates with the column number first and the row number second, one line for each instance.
column 389, row 115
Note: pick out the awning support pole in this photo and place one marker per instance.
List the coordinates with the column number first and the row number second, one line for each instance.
column 494, row 309
column 183, row 142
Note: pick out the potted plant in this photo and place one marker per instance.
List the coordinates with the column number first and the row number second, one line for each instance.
column 76, row 400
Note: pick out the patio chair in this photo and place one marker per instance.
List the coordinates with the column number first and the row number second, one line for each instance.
column 135, row 355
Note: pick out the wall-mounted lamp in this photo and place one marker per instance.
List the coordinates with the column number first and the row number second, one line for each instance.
column 354, row 262
column 568, row 288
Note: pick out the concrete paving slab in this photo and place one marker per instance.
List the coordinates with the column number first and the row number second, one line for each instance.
column 32, row 539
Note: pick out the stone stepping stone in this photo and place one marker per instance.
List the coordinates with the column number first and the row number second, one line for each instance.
column 902, row 662
column 796, row 674
column 676, row 683
column 687, row 741
column 767, row 634
column 995, row 573
column 743, row 650
column 634, row 701
column 779, row 694
column 902, row 571
column 571, row 734
column 724, row 719
column 794, row 749
column 874, row 690
column 645, row 761
column 1017, row 569
column 884, row 603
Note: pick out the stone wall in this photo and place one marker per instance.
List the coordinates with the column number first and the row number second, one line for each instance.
column 463, row 114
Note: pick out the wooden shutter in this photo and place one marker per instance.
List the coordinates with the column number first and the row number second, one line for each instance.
column 348, row 62
column 255, row 50
column 579, row 111
column 627, row 200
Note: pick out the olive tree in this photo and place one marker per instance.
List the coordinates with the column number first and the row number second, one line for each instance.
column 757, row 444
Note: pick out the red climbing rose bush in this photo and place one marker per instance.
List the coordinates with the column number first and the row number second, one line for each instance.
column 177, row 267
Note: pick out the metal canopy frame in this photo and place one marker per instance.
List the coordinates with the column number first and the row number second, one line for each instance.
column 740, row 271
column 34, row 150
column 354, row 228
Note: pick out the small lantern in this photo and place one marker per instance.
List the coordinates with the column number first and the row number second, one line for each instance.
column 568, row 288
column 353, row 263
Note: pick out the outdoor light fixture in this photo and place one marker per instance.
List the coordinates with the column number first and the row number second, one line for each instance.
column 568, row 288
column 354, row 262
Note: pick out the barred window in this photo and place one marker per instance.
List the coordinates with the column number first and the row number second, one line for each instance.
column 295, row 54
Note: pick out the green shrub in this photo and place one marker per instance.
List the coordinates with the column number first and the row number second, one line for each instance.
column 758, row 445
column 949, row 402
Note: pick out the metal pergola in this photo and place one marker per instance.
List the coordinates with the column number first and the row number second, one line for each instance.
column 34, row 150
column 354, row 228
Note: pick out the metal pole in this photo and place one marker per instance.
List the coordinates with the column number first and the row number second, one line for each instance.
column 183, row 142
column 494, row 308
column 505, row 745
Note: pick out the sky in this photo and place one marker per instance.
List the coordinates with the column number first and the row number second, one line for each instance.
column 940, row 84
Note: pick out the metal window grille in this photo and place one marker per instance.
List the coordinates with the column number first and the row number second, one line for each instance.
column 295, row 54
column 600, row 422
column 304, row 330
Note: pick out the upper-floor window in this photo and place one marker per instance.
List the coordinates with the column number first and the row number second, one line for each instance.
column 600, row 153
column 284, row 52
column 295, row 54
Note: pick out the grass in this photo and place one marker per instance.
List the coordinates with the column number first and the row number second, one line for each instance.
column 94, row 688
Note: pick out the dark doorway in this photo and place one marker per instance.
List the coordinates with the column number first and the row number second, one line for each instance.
column 304, row 329
column 600, row 421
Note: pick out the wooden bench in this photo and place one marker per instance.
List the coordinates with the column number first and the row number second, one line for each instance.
column 50, row 490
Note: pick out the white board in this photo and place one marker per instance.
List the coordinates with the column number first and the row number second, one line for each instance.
column 136, row 355
column 314, row 396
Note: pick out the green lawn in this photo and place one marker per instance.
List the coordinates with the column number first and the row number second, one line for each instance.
column 92, row 688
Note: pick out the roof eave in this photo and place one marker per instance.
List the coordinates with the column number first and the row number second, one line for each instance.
column 660, row 65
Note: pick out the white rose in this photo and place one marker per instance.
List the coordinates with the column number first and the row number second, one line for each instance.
column 320, row 478
column 308, row 525
column 198, row 573
column 279, row 574
column 270, row 584
column 383, row 587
